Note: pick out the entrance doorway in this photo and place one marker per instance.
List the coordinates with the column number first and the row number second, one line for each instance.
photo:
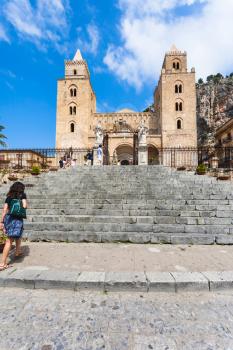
column 124, row 154
column 153, row 155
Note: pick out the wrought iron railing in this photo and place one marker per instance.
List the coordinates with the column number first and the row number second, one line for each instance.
column 48, row 158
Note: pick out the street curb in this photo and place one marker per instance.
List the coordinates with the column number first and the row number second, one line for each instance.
column 172, row 282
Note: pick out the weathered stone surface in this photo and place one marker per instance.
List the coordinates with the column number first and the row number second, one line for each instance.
column 219, row 280
column 54, row 279
column 120, row 281
column 190, row 281
column 91, row 281
column 160, row 282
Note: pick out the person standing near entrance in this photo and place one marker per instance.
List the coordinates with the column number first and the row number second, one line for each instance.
column 100, row 155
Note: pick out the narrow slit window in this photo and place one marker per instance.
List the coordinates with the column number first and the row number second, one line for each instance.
column 71, row 110
column 75, row 92
column 72, row 127
column 177, row 106
column 74, row 110
column 180, row 88
column 71, row 92
column 75, row 72
column 179, row 124
column 181, row 106
column 176, row 89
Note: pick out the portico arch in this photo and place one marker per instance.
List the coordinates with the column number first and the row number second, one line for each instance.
column 153, row 155
column 124, row 154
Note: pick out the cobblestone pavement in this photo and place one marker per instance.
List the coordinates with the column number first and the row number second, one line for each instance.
column 47, row 320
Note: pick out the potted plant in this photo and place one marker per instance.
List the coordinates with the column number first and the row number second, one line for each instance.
column 54, row 168
column 35, row 170
column 201, row 169
column 3, row 239
column 12, row 177
column 181, row 168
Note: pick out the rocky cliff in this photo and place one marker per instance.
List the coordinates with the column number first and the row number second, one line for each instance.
column 214, row 106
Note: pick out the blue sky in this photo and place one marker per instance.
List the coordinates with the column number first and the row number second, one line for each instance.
column 123, row 42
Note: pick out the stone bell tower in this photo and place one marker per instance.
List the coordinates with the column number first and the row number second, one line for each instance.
column 76, row 103
column 175, row 101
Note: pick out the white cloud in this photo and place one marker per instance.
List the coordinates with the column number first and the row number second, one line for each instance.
column 91, row 44
column 148, row 28
column 45, row 23
column 3, row 34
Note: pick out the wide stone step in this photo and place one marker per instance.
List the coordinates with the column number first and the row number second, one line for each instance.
column 215, row 226
column 132, row 237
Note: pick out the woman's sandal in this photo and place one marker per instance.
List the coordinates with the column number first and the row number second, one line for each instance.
column 20, row 255
column 4, row 267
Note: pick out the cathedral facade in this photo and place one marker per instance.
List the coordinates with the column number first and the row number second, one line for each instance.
column 171, row 123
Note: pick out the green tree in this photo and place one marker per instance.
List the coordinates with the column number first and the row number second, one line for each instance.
column 200, row 81
column 2, row 137
column 210, row 78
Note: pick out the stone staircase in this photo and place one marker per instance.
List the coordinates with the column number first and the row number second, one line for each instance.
column 138, row 204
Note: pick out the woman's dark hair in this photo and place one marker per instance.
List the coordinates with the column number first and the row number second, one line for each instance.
column 16, row 190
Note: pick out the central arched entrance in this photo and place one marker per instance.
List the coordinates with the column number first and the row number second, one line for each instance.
column 124, row 154
column 153, row 155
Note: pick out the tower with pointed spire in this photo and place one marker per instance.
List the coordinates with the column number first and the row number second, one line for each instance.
column 175, row 101
column 76, row 103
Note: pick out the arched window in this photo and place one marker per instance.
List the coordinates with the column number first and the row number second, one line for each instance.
column 71, row 92
column 71, row 110
column 75, row 92
column 179, row 124
column 74, row 110
column 176, row 65
column 179, row 106
column 75, row 72
column 72, row 127
column 178, row 88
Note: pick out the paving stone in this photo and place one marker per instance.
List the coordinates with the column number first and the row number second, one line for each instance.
column 160, row 282
column 190, row 281
column 219, row 280
column 20, row 278
column 120, row 281
column 91, row 280
column 55, row 279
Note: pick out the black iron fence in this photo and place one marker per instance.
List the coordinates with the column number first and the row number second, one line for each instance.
column 48, row 158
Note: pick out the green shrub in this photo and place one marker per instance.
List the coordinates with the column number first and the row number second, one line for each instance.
column 202, row 168
column 35, row 169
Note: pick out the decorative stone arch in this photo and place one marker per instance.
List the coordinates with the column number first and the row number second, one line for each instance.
column 153, row 154
column 176, row 64
column 124, row 153
column 179, row 87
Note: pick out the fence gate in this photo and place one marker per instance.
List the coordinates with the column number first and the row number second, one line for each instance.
column 105, row 150
column 135, row 148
